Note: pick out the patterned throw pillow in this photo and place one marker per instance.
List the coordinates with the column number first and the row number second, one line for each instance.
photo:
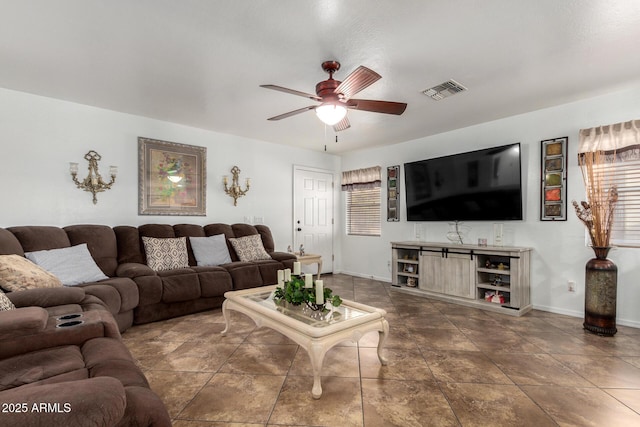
column 18, row 273
column 5, row 303
column 166, row 254
column 249, row 248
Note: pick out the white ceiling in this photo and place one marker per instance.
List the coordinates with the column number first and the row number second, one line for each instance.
column 200, row 62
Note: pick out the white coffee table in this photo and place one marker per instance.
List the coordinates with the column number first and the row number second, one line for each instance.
column 314, row 331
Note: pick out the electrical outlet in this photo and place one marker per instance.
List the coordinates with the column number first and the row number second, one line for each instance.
column 571, row 286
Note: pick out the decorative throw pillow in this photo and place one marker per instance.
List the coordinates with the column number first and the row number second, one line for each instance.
column 210, row 250
column 166, row 254
column 73, row 265
column 5, row 303
column 18, row 273
column 249, row 248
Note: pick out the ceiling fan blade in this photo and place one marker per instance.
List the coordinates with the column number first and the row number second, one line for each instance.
column 386, row 107
column 292, row 91
column 359, row 79
column 342, row 124
column 292, row 113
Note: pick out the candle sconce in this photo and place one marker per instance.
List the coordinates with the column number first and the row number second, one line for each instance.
column 234, row 190
column 93, row 182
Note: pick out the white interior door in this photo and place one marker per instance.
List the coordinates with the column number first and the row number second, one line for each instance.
column 313, row 214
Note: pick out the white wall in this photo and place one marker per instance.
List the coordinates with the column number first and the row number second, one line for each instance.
column 39, row 137
column 559, row 247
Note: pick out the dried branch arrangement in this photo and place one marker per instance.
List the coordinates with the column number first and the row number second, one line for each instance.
column 602, row 195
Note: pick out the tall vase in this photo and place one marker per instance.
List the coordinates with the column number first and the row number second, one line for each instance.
column 601, row 281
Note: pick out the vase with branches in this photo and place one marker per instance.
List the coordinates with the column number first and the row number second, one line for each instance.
column 597, row 214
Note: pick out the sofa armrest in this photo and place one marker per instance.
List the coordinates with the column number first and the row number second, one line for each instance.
column 282, row 256
column 99, row 401
column 22, row 321
column 134, row 269
column 47, row 297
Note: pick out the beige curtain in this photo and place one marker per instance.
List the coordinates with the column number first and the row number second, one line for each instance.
column 619, row 142
column 361, row 179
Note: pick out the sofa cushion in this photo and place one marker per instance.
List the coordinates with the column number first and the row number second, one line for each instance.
column 210, row 250
column 249, row 248
column 18, row 274
column 9, row 244
column 39, row 365
column 101, row 241
column 167, row 253
column 47, row 297
column 22, row 321
column 40, row 237
column 5, row 303
column 73, row 265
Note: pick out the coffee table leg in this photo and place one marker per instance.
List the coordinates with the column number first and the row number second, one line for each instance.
column 316, row 354
column 225, row 314
column 382, row 336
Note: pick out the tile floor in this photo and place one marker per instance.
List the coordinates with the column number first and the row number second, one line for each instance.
column 448, row 366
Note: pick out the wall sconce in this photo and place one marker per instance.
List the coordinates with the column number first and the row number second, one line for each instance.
column 235, row 191
column 93, row 182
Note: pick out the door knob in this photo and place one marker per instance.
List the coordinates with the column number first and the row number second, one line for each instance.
column 299, row 229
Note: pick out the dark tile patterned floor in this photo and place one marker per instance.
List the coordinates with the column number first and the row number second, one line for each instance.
column 448, row 366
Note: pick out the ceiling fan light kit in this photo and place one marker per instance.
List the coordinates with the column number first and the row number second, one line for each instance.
column 331, row 114
column 335, row 97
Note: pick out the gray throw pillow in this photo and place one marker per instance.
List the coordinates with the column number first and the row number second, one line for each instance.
column 73, row 265
column 210, row 250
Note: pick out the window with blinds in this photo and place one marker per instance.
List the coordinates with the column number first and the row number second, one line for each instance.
column 363, row 212
column 609, row 157
column 626, row 220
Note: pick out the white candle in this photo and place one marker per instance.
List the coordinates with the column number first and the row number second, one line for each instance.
column 280, row 278
column 296, row 268
column 308, row 280
column 319, row 292
column 287, row 275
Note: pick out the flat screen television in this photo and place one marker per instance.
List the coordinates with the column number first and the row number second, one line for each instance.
column 482, row 185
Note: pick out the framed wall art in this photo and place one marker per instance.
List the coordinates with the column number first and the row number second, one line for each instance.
column 393, row 193
column 171, row 178
column 553, row 177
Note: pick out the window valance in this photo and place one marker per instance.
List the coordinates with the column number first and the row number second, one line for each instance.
column 361, row 179
column 618, row 142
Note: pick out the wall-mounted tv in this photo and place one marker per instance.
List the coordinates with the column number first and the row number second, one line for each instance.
column 483, row 185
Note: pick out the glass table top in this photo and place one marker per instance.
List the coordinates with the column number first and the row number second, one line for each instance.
column 302, row 313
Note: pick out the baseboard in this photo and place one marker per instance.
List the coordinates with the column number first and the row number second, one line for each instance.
column 580, row 314
column 365, row 276
column 556, row 310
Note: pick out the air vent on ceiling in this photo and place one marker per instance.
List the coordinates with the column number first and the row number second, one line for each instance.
column 444, row 90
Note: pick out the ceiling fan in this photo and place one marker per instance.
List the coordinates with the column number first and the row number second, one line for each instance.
column 335, row 97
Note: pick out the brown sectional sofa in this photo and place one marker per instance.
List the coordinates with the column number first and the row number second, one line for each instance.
column 119, row 294
column 76, row 371
column 86, row 365
column 171, row 293
column 134, row 293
